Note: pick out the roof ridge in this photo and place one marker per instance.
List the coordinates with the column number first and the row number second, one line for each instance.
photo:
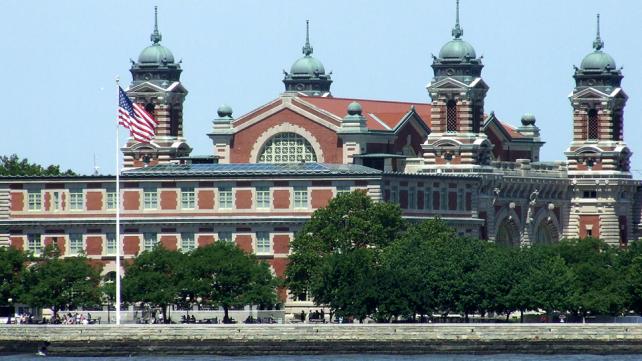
column 370, row 100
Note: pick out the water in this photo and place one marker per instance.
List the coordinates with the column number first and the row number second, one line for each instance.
column 503, row 357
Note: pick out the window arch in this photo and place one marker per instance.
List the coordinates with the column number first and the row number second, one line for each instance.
column 451, row 116
column 287, row 148
column 507, row 233
column 592, row 125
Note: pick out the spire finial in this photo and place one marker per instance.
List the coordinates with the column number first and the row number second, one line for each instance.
column 307, row 48
column 156, row 37
column 598, row 43
column 457, row 30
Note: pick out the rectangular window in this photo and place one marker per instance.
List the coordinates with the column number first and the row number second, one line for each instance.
column 150, row 199
column 75, row 243
column 225, row 236
column 343, row 190
column 300, row 197
column 428, row 198
column 110, row 243
column 262, row 197
column 225, row 197
column 187, row 242
column 394, row 195
column 55, row 201
column 460, row 199
column 188, row 198
column 35, row 201
column 111, row 200
column 76, row 200
column 34, row 244
column 263, row 245
column 412, row 198
column 150, row 240
column 589, row 194
column 443, row 202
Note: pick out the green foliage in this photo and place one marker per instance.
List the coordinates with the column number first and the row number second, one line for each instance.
column 224, row 275
column 61, row 283
column 12, row 262
column 14, row 166
column 155, row 277
column 350, row 221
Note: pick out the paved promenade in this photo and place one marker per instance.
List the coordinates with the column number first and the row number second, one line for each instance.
column 322, row 339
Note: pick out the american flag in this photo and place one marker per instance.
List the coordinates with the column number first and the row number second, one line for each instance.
column 141, row 124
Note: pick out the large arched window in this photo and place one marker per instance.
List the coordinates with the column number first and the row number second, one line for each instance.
column 592, row 125
column 507, row 233
column 287, row 148
column 451, row 116
column 545, row 233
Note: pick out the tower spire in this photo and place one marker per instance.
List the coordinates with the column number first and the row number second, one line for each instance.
column 598, row 43
column 156, row 36
column 457, row 30
column 307, row 48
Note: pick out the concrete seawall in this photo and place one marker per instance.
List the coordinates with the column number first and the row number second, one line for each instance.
column 322, row 339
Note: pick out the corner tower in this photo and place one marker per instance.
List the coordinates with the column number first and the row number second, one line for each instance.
column 156, row 86
column 457, row 92
column 598, row 102
column 602, row 191
column 307, row 74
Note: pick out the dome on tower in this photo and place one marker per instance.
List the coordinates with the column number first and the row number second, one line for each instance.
column 457, row 49
column 598, row 60
column 308, row 66
column 156, row 54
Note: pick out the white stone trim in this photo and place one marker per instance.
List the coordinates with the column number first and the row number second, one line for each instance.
column 285, row 128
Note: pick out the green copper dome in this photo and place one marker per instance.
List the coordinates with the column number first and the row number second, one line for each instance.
column 155, row 54
column 598, row 60
column 457, row 49
column 307, row 65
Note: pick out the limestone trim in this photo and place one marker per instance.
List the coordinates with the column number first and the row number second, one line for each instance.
column 286, row 128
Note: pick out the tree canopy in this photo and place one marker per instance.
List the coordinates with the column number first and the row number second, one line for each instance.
column 61, row 283
column 12, row 265
column 14, row 166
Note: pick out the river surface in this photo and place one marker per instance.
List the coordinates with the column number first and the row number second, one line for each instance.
column 345, row 358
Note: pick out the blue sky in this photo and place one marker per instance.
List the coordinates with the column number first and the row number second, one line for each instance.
column 60, row 58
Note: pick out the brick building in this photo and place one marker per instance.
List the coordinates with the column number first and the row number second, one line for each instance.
column 272, row 167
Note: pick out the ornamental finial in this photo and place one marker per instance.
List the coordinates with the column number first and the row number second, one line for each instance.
column 307, row 48
column 457, row 30
column 598, row 43
column 156, row 37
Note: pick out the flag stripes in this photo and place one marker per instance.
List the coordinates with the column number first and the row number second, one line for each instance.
column 140, row 123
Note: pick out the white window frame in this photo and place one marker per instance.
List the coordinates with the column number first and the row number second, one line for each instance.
column 428, row 198
column 56, row 201
column 34, row 201
column 301, row 198
column 343, row 190
column 222, row 236
column 225, row 198
column 150, row 199
column 150, row 240
column 263, row 199
column 188, row 198
column 394, row 194
column 110, row 238
column 188, row 241
column 34, row 243
column 111, row 200
column 263, row 243
column 76, row 200
column 74, row 238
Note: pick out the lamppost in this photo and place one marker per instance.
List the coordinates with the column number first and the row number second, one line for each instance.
column 10, row 302
column 187, row 299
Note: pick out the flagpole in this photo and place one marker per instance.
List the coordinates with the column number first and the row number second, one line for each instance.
column 118, row 273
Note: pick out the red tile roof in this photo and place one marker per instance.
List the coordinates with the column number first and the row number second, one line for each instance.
column 379, row 114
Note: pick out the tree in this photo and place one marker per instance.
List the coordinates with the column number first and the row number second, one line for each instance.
column 348, row 283
column 226, row 276
column 155, row 277
column 12, row 263
column 61, row 283
column 14, row 166
column 597, row 286
column 631, row 267
column 349, row 221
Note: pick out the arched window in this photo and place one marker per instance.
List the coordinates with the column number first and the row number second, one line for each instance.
column 545, row 233
column 451, row 116
column 287, row 148
column 592, row 125
column 507, row 234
